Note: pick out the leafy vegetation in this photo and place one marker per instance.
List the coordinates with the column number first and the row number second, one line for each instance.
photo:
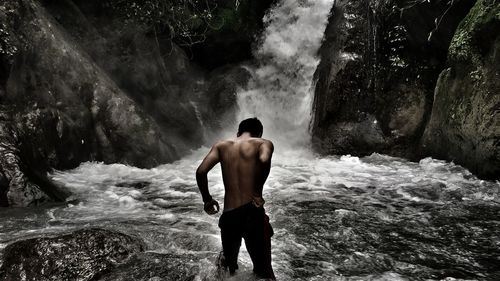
column 186, row 21
column 484, row 15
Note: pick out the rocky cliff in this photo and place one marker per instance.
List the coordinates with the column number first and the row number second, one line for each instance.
column 465, row 123
column 379, row 64
column 378, row 88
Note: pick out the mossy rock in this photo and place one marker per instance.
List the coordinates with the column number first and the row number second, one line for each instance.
column 464, row 124
column 476, row 32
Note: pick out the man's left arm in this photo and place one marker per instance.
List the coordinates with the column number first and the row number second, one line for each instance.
column 266, row 150
column 211, row 206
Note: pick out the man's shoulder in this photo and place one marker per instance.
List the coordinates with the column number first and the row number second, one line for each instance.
column 230, row 142
column 264, row 141
column 223, row 143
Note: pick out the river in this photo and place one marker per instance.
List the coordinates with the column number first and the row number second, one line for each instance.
column 335, row 218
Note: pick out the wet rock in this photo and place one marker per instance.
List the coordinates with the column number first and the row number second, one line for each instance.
column 148, row 67
column 19, row 184
column 15, row 187
column 65, row 97
column 81, row 255
column 464, row 126
column 64, row 109
column 13, row 183
column 380, row 61
column 136, row 185
column 431, row 192
column 347, row 137
column 221, row 97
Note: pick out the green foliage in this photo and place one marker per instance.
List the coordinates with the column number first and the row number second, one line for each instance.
column 463, row 46
column 228, row 19
column 187, row 21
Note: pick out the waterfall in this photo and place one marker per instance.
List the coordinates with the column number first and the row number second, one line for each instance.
column 281, row 88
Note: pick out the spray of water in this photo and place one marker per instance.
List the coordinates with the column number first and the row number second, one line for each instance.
column 279, row 93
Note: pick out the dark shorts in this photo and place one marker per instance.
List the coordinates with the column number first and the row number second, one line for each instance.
column 252, row 224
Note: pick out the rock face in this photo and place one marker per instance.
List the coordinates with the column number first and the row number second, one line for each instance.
column 63, row 108
column 148, row 67
column 377, row 74
column 221, row 99
column 14, row 185
column 465, row 122
column 81, row 255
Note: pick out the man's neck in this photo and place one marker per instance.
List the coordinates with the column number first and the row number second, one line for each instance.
column 245, row 135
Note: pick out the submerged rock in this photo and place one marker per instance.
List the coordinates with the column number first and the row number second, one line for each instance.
column 81, row 255
column 465, row 122
column 165, row 267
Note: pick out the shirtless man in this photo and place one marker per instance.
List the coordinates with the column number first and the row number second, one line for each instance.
column 245, row 162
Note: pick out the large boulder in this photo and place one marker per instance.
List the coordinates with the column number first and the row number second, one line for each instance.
column 147, row 66
column 15, row 187
column 465, row 122
column 379, row 64
column 81, row 255
column 221, row 101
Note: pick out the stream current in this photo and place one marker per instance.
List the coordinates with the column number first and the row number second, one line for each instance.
column 335, row 218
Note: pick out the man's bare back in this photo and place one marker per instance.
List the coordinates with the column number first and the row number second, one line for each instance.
column 245, row 163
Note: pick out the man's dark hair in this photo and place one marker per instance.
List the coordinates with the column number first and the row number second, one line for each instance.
column 251, row 125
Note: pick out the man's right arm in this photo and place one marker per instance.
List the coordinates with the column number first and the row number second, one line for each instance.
column 206, row 165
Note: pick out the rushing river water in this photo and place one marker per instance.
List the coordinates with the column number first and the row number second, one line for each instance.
column 335, row 218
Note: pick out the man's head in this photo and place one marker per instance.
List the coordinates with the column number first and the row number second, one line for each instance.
column 252, row 126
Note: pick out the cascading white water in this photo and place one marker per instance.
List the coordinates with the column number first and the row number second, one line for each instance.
column 280, row 90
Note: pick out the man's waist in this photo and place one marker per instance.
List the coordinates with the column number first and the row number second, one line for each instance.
column 255, row 203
